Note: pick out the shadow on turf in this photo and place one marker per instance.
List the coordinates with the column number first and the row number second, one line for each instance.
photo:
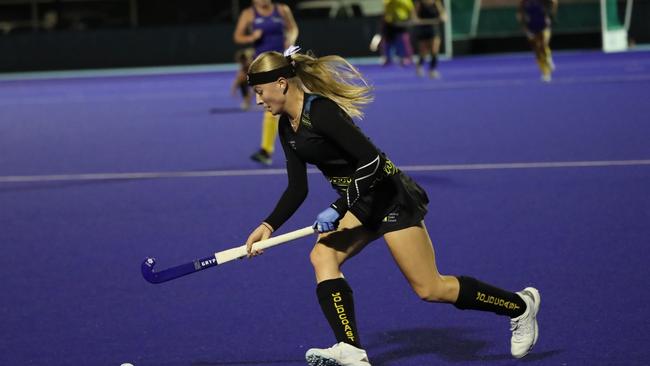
column 454, row 345
column 267, row 362
column 429, row 178
column 226, row 110
column 54, row 185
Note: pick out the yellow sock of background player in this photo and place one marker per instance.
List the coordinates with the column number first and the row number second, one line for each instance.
column 544, row 66
column 549, row 58
column 269, row 132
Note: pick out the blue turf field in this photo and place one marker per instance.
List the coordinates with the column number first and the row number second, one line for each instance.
column 97, row 173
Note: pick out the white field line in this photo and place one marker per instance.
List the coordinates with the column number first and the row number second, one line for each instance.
column 263, row 172
column 144, row 94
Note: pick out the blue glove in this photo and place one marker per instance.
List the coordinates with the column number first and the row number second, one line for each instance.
column 327, row 220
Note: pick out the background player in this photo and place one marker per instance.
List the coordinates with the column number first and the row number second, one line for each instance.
column 243, row 57
column 535, row 18
column 432, row 13
column 269, row 27
column 395, row 35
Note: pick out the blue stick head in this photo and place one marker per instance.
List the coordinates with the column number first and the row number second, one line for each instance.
column 147, row 270
column 164, row 275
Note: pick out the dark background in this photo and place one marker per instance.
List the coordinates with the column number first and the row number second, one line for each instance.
column 58, row 35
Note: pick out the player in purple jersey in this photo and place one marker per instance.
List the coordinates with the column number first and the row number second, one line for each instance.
column 268, row 27
column 535, row 19
column 317, row 99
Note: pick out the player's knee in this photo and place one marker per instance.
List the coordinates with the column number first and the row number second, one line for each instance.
column 321, row 257
column 427, row 294
column 432, row 292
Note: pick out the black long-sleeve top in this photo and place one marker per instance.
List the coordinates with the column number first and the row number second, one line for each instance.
column 328, row 139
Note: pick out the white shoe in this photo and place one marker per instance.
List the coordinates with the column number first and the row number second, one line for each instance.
column 340, row 354
column 524, row 327
column 546, row 78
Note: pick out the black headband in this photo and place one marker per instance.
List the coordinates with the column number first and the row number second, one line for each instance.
column 270, row 76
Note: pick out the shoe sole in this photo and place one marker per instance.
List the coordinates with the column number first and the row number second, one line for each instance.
column 537, row 300
column 263, row 161
column 314, row 360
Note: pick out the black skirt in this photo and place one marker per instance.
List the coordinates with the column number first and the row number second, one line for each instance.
column 395, row 203
column 426, row 32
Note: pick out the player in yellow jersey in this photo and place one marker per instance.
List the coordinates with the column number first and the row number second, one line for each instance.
column 395, row 32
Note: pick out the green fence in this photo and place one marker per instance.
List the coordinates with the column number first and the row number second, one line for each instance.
column 471, row 20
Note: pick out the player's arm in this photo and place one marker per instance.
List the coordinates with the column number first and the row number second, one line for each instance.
column 441, row 10
column 295, row 193
column 413, row 15
column 520, row 12
column 290, row 26
column 553, row 8
column 241, row 36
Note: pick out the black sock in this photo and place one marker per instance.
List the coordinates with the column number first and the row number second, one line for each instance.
column 434, row 62
column 335, row 298
column 477, row 295
column 420, row 60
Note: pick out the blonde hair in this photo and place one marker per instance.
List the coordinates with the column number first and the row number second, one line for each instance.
column 330, row 76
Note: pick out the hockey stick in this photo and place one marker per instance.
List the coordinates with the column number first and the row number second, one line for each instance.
column 218, row 258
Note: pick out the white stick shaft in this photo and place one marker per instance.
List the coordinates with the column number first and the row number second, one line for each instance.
column 239, row 252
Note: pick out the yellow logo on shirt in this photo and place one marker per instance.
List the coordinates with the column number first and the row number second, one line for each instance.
column 390, row 168
column 340, row 181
